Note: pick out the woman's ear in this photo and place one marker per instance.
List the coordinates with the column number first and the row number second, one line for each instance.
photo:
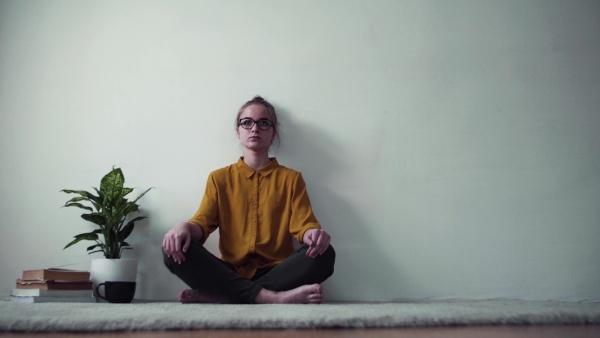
column 274, row 136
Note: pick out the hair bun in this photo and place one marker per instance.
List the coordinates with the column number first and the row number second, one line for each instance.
column 258, row 98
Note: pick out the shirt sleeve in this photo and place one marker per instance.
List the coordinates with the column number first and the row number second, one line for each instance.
column 302, row 214
column 208, row 213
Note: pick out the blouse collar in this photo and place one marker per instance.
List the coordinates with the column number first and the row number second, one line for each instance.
column 264, row 171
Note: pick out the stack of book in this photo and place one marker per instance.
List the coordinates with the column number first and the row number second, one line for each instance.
column 53, row 285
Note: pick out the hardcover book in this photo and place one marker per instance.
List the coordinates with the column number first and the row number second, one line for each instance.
column 42, row 299
column 51, row 293
column 54, row 285
column 56, row 274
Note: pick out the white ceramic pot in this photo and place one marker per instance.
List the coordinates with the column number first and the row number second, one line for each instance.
column 113, row 270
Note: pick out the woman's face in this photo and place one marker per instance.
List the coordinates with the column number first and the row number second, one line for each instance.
column 256, row 139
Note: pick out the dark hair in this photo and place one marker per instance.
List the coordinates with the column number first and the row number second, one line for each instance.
column 259, row 100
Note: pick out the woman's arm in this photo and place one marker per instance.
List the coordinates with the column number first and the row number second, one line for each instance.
column 305, row 224
column 177, row 241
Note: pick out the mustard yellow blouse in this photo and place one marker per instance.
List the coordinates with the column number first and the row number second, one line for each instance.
column 255, row 211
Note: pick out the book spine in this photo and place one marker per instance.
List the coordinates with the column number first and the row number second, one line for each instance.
column 53, row 285
column 42, row 299
column 51, row 293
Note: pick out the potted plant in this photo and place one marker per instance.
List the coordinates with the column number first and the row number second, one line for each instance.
column 109, row 211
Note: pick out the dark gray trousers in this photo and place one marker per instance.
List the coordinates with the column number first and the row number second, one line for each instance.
column 203, row 271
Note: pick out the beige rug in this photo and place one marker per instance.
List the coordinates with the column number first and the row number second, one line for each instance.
column 98, row 317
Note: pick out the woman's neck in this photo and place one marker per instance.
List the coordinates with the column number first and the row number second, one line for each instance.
column 256, row 160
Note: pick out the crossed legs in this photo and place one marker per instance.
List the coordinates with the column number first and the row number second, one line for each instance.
column 295, row 280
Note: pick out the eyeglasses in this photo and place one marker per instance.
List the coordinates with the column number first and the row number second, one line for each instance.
column 248, row 123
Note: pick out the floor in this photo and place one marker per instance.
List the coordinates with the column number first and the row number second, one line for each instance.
column 574, row 331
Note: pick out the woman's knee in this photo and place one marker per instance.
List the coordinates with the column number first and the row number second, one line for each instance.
column 170, row 262
column 323, row 265
column 328, row 258
column 330, row 254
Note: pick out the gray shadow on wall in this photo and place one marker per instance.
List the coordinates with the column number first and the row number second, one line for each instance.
column 363, row 271
column 145, row 240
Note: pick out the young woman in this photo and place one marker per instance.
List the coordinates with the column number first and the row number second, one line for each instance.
column 257, row 205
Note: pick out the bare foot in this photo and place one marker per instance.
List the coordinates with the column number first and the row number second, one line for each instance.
column 195, row 296
column 305, row 294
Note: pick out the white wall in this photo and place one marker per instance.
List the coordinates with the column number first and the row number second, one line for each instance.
column 449, row 147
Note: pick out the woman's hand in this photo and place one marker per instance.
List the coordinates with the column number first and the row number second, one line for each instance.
column 177, row 241
column 318, row 241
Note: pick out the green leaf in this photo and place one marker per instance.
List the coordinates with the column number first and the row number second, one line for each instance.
column 111, row 185
column 126, row 191
column 95, row 218
column 128, row 208
column 139, row 218
column 123, row 234
column 120, row 207
column 90, row 236
column 100, row 194
column 128, row 228
column 99, row 201
column 124, row 249
column 141, row 195
column 80, row 192
column 78, row 199
column 79, row 205
column 84, row 194
column 93, row 247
